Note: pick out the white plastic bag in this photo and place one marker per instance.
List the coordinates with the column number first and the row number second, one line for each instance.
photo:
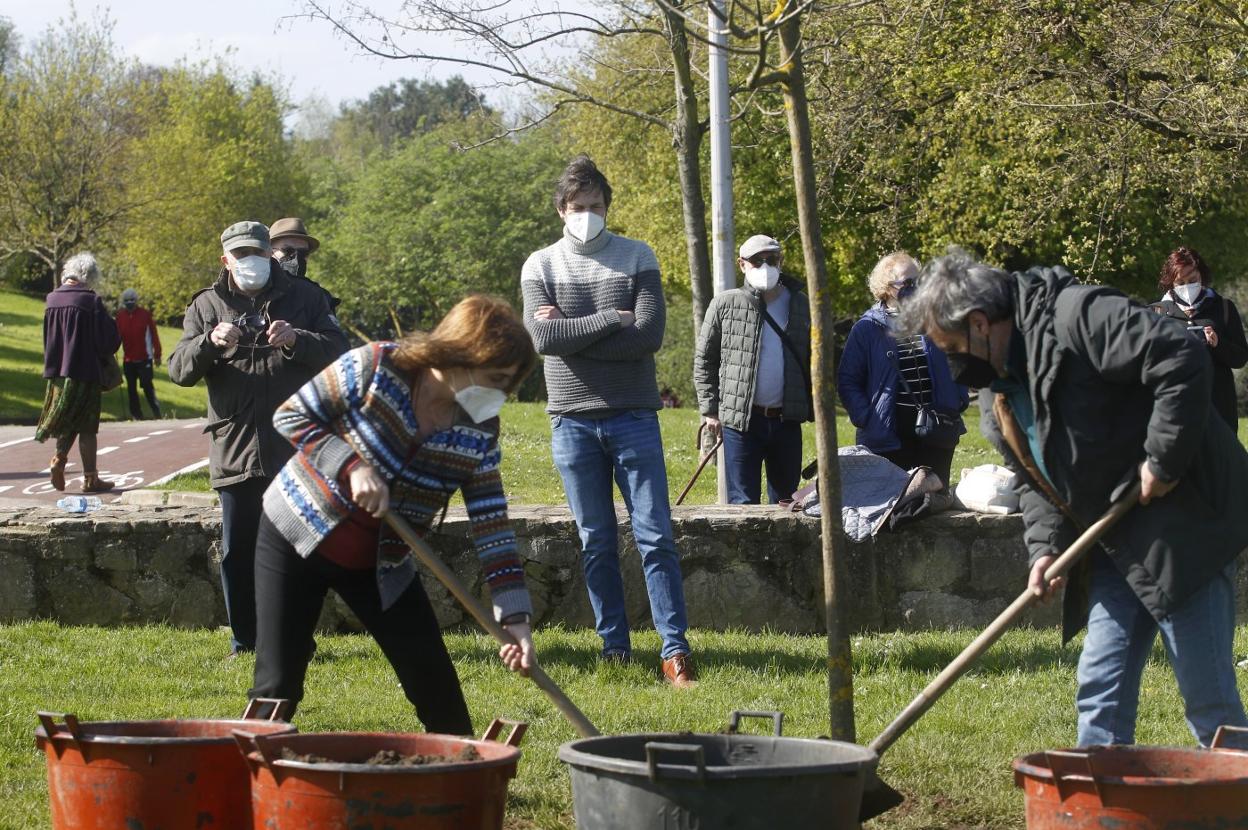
column 988, row 488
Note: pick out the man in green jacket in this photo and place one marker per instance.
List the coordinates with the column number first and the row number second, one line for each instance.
column 1092, row 391
column 254, row 336
column 751, row 370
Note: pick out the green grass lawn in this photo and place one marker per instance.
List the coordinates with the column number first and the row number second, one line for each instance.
column 954, row 764
column 21, row 369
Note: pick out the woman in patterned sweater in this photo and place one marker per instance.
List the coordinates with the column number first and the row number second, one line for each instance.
column 392, row 426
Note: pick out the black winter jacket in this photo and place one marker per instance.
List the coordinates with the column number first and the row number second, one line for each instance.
column 1113, row 383
column 1230, row 353
column 245, row 389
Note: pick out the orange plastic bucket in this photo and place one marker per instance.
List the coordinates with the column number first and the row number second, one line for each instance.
column 343, row 791
column 155, row 775
column 1134, row 788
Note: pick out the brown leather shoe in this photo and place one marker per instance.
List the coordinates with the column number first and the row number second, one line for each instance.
column 678, row 670
column 92, row 483
column 56, row 470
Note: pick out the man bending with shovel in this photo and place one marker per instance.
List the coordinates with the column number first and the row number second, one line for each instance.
column 1084, row 390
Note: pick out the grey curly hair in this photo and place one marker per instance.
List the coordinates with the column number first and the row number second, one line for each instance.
column 80, row 268
column 951, row 287
column 891, row 267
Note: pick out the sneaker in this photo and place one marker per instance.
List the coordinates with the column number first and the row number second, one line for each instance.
column 678, row 670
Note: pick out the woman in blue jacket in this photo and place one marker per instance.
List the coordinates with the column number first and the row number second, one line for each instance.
column 885, row 382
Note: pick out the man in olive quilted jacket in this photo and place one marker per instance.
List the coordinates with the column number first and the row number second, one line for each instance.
column 751, row 369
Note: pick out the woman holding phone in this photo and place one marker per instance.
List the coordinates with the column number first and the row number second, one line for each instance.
column 1188, row 297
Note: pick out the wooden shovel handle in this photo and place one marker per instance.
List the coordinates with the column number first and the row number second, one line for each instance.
column 486, row 620
column 998, row 626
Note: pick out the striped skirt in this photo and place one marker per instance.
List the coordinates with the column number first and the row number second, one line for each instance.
column 70, row 407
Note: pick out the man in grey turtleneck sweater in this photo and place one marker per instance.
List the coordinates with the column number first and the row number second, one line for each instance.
column 593, row 302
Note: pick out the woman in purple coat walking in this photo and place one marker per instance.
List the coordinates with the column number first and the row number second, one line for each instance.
column 78, row 335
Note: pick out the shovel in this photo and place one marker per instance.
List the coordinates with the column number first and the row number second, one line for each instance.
column 878, row 796
column 448, row 578
column 719, row 442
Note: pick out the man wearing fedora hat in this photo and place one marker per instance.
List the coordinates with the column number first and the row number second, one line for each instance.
column 255, row 336
column 292, row 245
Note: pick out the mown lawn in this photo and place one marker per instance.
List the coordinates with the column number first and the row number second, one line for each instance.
column 954, row 765
column 21, row 369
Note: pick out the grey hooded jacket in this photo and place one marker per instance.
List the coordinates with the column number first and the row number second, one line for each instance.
column 725, row 363
column 1112, row 383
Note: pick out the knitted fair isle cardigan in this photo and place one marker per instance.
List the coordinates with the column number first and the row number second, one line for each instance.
column 360, row 409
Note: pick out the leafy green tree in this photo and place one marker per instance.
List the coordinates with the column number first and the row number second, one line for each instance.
column 215, row 154
column 429, row 223
column 69, row 111
column 409, row 107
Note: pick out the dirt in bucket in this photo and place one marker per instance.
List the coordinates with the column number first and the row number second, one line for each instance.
column 389, row 758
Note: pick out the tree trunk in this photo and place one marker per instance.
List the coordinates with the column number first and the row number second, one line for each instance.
column 687, row 141
column 823, row 374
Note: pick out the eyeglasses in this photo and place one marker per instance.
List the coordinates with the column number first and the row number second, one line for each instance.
column 766, row 257
column 907, row 283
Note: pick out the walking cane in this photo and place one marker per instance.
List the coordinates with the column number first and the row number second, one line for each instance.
column 719, row 442
column 448, row 578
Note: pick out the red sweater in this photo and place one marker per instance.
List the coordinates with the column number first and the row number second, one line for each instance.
column 138, row 335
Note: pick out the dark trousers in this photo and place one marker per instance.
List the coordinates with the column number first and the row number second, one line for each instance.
column 770, row 442
column 913, row 452
column 290, row 591
column 241, row 507
column 139, row 373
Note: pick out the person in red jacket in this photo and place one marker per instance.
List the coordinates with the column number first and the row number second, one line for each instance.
column 141, row 344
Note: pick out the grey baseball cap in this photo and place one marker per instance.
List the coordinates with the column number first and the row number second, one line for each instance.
column 245, row 235
column 757, row 244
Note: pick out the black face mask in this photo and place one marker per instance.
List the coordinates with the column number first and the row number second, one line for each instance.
column 972, row 370
column 294, row 262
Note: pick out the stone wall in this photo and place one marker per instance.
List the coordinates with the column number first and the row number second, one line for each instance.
column 744, row 567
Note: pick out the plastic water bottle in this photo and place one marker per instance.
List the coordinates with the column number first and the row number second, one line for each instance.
column 79, row 504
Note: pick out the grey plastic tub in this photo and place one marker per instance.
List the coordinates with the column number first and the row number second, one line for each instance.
column 691, row 781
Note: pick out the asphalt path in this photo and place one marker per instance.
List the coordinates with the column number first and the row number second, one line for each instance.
column 132, row 454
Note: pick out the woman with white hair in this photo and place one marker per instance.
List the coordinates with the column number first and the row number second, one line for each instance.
column 898, row 391
column 78, row 336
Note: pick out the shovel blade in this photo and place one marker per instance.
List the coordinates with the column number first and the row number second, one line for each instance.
column 877, row 797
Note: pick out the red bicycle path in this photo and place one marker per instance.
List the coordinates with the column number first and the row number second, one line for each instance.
column 132, row 454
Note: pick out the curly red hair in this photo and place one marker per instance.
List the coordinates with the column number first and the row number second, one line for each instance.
column 1180, row 260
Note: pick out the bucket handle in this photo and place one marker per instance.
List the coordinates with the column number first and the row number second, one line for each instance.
column 1226, row 730
column 1069, row 764
column 513, row 737
column 280, row 709
column 249, row 742
column 698, row 769
column 48, row 719
column 734, row 720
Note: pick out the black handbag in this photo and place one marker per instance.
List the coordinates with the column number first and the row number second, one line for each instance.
column 934, row 428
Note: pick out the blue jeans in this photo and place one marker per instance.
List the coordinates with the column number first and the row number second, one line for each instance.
column 589, row 453
column 1197, row 638
column 770, row 441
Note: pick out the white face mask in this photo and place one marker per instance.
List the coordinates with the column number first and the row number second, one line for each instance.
column 251, row 273
column 1189, row 292
column 481, row 402
column 763, row 278
column 584, row 225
